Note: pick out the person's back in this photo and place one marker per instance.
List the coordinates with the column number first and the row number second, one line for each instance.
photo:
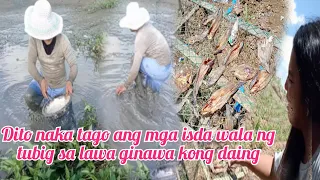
column 156, row 45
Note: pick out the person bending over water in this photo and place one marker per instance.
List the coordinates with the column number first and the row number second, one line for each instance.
column 300, row 159
column 152, row 53
column 52, row 48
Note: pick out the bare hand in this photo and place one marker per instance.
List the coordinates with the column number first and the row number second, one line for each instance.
column 69, row 89
column 120, row 89
column 44, row 87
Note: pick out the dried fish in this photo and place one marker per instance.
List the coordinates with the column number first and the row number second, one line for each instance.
column 265, row 47
column 233, row 53
column 211, row 17
column 238, row 8
column 223, row 41
column 183, row 77
column 260, row 81
column 215, row 25
column 244, row 72
column 219, row 98
column 229, row 121
column 199, row 37
column 234, row 33
column 215, row 74
column 204, row 67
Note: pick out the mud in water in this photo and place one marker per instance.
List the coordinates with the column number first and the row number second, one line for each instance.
column 136, row 109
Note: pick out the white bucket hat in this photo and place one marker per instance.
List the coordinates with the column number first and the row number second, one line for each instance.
column 135, row 17
column 41, row 23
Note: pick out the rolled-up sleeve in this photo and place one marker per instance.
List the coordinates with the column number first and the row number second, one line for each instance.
column 71, row 59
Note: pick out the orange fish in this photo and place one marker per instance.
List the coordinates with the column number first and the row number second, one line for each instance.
column 219, row 98
column 214, row 26
column 204, row 67
column 261, row 80
column 198, row 37
column 233, row 53
column 183, row 77
column 244, row 72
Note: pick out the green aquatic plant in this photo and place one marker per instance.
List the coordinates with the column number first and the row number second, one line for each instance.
column 70, row 170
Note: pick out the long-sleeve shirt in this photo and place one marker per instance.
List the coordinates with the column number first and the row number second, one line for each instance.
column 52, row 66
column 149, row 43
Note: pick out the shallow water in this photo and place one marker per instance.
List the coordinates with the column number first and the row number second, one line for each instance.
column 136, row 109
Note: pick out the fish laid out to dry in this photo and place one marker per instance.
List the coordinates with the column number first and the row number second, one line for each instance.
column 265, row 47
column 203, row 69
column 223, row 42
column 214, row 75
column 238, row 8
column 199, row 37
column 260, row 81
column 210, row 18
column 215, row 25
column 233, row 53
column 244, row 72
column 183, row 77
column 219, row 98
column 234, row 33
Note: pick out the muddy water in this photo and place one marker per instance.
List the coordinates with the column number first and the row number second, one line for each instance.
column 137, row 109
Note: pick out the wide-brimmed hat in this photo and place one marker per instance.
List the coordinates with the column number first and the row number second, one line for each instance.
column 135, row 17
column 40, row 22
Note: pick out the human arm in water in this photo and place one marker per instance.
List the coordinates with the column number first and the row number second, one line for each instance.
column 32, row 68
column 70, row 57
column 264, row 168
column 140, row 49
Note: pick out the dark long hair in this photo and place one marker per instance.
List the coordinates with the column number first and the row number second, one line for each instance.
column 306, row 45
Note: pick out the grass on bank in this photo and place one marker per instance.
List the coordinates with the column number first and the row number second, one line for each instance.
column 71, row 170
column 102, row 4
column 270, row 113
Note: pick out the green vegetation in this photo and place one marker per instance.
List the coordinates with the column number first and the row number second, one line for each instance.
column 271, row 114
column 71, row 170
column 93, row 46
column 102, row 4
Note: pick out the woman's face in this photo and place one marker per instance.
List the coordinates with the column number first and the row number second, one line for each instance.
column 296, row 108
